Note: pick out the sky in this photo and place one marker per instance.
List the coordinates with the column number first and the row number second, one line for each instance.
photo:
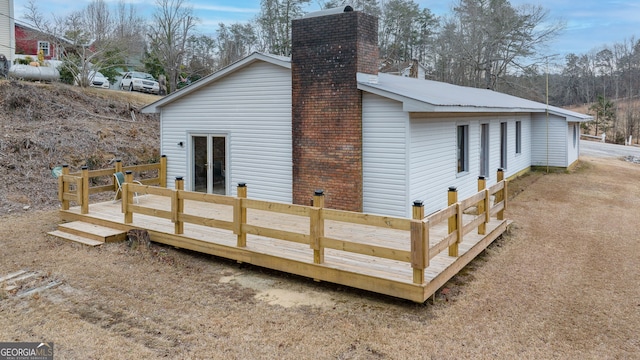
column 590, row 24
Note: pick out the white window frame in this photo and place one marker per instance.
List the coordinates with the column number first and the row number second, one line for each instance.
column 518, row 137
column 462, row 149
column 46, row 50
column 504, row 144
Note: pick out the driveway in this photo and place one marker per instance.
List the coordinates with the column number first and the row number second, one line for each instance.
column 604, row 150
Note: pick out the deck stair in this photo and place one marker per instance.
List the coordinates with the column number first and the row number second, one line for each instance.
column 88, row 234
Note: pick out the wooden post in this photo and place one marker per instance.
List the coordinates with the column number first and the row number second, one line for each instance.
column 84, row 208
column 127, row 197
column 163, row 171
column 178, row 208
column 316, row 223
column 500, row 195
column 419, row 242
column 482, row 185
column 453, row 221
column 64, row 187
column 240, row 214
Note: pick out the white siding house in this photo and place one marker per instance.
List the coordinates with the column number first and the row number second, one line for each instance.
column 556, row 141
column 250, row 112
column 410, row 134
column 7, row 30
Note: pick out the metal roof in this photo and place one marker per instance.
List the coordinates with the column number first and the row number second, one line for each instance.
column 416, row 95
column 419, row 95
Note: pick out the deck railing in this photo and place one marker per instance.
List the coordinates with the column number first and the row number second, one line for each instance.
column 479, row 209
column 76, row 186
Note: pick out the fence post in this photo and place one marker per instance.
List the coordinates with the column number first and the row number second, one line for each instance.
column 316, row 223
column 419, row 242
column 178, row 208
column 482, row 185
column 163, row 171
column 501, row 195
column 63, row 187
column 453, row 221
column 84, row 209
column 240, row 214
column 127, row 197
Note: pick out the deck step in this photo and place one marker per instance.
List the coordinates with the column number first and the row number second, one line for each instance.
column 92, row 231
column 77, row 238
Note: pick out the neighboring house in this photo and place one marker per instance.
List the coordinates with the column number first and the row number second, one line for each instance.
column 30, row 41
column 7, row 36
column 325, row 119
column 405, row 68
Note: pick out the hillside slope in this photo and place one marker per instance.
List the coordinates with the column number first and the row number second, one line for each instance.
column 48, row 125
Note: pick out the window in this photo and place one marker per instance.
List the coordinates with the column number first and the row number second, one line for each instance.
column 484, row 150
column 463, row 148
column 518, row 137
column 575, row 135
column 44, row 46
column 503, row 145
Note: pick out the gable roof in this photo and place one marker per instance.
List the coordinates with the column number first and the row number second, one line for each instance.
column 256, row 56
column 31, row 29
column 419, row 95
column 416, row 95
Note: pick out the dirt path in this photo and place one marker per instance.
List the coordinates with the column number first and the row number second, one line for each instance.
column 564, row 284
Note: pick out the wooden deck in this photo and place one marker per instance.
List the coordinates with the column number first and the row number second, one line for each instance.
column 376, row 253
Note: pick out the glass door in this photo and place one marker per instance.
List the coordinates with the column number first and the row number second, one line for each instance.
column 209, row 164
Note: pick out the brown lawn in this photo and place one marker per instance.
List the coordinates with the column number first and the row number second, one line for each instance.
column 565, row 284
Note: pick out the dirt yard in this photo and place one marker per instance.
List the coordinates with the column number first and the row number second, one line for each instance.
column 563, row 284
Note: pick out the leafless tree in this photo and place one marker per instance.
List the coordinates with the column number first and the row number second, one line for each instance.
column 234, row 42
column 274, row 21
column 492, row 37
column 173, row 23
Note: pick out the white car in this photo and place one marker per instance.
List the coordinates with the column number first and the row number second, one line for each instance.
column 139, row 81
column 96, row 79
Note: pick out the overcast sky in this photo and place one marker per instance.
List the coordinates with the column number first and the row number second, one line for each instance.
column 590, row 23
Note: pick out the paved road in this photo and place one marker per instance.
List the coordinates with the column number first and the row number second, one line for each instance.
column 603, row 150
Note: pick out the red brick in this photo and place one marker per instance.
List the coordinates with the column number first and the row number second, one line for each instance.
column 327, row 52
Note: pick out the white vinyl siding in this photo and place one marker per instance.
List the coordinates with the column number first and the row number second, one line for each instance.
column 384, row 164
column 557, row 140
column 519, row 161
column 433, row 160
column 7, row 29
column 252, row 108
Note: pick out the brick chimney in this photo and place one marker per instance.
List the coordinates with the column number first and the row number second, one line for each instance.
column 328, row 48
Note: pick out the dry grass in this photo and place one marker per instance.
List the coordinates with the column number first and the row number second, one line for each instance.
column 46, row 125
column 563, row 284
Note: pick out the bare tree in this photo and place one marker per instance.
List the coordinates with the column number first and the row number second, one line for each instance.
column 274, row 20
column 234, row 42
column 173, row 23
column 493, row 37
column 98, row 20
column 130, row 29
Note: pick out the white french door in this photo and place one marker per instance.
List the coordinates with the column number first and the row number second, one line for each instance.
column 209, row 163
